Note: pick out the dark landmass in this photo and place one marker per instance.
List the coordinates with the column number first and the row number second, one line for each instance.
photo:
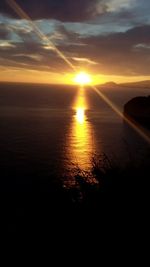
column 142, row 84
column 109, row 85
column 138, row 109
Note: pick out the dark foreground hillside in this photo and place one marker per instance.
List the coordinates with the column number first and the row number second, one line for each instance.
column 108, row 196
column 138, row 110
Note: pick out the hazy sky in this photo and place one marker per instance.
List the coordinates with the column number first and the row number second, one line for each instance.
column 109, row 39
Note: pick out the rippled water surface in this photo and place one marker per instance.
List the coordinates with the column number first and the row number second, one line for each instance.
column 46, row 129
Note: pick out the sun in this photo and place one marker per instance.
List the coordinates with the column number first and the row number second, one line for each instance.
column 83, row 78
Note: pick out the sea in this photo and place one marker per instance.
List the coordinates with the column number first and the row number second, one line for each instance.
column 47, row 130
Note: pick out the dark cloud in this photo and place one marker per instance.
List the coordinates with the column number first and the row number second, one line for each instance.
column 63, row 10
column 31, row 55
column 117, row 53
column 61, row 35
column 4, row 32
column 125, row 54
column 123, row 41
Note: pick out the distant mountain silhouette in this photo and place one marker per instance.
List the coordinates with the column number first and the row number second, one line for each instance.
column 109, row 85
column 137, row 84
column 138, row 109
column 141, row 84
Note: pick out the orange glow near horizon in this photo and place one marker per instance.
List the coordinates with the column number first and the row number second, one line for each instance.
column 11, row 74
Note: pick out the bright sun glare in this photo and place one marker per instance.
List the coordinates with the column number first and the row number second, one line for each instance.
column 82, row 78
column 80, row 115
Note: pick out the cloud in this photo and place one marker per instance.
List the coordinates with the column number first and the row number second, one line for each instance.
column 61, row 35
column 30, row 55
column 6, row 45
column 142, row 46
column 116, row 53
column 84, row 60
column 122, row 53
column 4, row 32
column 116, row 5
column 63, row 10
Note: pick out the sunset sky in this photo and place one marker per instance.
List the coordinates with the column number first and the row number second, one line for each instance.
column 109, row 39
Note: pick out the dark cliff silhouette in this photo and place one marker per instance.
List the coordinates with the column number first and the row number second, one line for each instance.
column 138, row 110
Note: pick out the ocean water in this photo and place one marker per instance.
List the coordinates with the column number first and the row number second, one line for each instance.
column 45, row 129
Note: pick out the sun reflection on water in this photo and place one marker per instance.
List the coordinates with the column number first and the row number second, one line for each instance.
column 80, row 115
column 81, row 140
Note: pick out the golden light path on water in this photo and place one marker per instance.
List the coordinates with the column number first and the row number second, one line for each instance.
column 81, row 139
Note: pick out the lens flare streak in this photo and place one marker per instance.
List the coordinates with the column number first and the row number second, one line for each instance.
column 20, row 12
column 121, row 115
